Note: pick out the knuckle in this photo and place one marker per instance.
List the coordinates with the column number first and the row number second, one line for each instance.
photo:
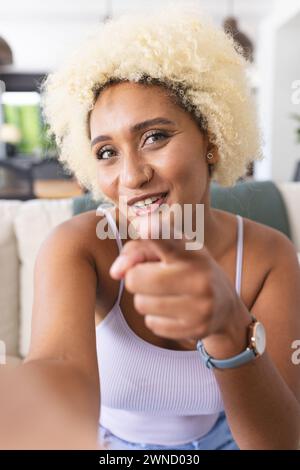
column 195, row 281
column 139, row 303
column 130, row 280
column 200, row 280
column 208, row 285
column 151, row 323
column 130, row 246
column 185, row 321
column 207, row 308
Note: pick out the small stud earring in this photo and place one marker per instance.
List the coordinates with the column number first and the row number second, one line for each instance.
column 210, row 156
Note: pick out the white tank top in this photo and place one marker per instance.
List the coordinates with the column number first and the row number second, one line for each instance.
column 151, row 394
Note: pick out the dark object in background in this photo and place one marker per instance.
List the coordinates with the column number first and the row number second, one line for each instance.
column 49, row 169
column 22, row 81
column 230, row 26
column 11, row 150
column 16, row 182
column 18, row 174
column 297, row 172
column 6, row 55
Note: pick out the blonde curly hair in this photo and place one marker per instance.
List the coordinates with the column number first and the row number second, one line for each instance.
column 176, row 47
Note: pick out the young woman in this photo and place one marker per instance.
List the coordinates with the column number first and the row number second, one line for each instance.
column 155, row 106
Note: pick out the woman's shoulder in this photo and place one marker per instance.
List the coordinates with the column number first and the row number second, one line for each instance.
column 267, row 241
column 81, row 230
column 265, row 250
column 269, row 255
column 264, row 241
column 81, row 235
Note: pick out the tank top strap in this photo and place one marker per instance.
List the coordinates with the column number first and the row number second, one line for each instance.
column 239, row 253
column 112, row 224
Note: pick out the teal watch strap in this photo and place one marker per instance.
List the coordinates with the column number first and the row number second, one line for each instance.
column 235, row 361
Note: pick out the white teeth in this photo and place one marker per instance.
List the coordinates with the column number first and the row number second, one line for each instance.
column 146, row 202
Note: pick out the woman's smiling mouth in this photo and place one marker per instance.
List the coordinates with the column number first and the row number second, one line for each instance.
column 148, row 205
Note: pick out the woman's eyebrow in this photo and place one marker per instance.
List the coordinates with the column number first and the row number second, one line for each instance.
column 137, row 127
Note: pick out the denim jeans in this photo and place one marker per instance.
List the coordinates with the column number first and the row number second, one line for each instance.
column 218, row 438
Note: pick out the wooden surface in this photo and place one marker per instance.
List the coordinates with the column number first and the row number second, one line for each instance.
column 56, row 189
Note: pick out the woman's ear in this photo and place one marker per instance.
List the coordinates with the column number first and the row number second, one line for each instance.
column 212, row 154
column 212, row 157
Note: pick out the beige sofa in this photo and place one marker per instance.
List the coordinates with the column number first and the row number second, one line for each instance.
column 23, row 226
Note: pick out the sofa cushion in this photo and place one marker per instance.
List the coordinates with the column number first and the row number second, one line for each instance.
column 9, row 278
column 34, row 221
column 257, row 200
column 84, row 203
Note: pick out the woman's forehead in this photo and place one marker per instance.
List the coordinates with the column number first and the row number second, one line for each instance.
column 126, row 104
column 128, row 93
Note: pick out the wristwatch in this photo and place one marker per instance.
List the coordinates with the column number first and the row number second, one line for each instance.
column 256, row 347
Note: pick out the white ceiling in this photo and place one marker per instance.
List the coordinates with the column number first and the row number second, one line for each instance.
column 60, row 25
column 89, row 9
column 249, row 12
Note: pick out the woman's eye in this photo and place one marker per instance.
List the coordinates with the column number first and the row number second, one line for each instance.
column 156, row 136
column 103, row 153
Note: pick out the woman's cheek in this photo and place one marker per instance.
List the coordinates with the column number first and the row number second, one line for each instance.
column 106, row 184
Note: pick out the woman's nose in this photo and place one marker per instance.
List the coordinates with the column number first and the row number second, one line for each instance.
column 134, row 174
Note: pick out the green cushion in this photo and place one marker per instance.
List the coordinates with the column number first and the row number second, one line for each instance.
column 84, row 203
column 259, row 200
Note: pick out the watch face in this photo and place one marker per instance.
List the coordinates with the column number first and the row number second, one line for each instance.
column 259, row 335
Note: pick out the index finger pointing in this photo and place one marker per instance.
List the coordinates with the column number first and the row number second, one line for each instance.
column 132, row 253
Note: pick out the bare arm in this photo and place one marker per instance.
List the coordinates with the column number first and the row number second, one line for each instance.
column 60, row 372
column 262, row 398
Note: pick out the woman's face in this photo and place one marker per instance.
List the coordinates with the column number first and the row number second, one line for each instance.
column 147, row 145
